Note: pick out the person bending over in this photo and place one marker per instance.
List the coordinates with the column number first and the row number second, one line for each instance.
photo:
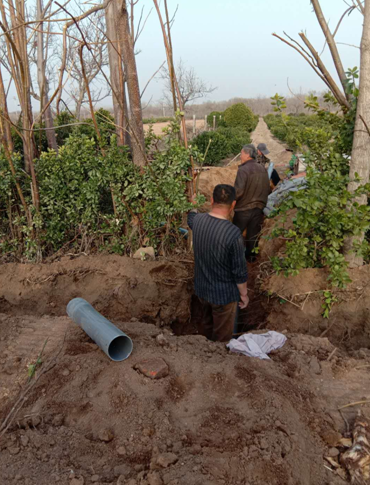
column 220, row 273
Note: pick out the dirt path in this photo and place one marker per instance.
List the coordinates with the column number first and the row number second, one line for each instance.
column 278, row 153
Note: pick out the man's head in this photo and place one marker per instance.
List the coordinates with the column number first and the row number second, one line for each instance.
column 248, row 153
column 262, row 149
column 224, row 196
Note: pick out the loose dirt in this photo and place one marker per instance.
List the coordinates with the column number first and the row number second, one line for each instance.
column 215, row 418
column 120, row 287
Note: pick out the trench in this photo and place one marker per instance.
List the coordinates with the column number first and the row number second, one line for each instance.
column 254, row 317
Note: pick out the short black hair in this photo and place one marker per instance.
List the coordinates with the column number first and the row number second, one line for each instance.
column 224, row 194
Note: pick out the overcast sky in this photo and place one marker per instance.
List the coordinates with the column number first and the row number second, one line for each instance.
column 229, row 44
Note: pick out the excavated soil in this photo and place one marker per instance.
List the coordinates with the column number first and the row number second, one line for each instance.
column 214, row 418
column 217, row 418
column 296, row 305
column 120, row 287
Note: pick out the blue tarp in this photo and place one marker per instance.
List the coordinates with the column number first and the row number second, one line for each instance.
column 282, row 192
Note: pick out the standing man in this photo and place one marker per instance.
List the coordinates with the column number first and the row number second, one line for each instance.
column 220, row 276
column 262, row 152
column 252, row 188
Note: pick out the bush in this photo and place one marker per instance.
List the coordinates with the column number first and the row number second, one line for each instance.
column 105, row 122
column 295, row 130
column 236, row 137
column 219, row 118
column 225, row 142
column 326, row 212
column 218, row 149
column 240, row 116
column 97, row 198
column 64, row 118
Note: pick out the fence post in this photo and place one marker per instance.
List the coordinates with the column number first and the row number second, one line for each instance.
column 205, row 123
column 214, row 122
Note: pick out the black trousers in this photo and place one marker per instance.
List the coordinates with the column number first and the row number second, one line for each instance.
column 252, row 221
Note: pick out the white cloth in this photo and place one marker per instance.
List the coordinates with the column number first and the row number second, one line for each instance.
column 257, row 345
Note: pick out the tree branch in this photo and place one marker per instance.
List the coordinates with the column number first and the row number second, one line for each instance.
column 332, row 84
column 332, row 45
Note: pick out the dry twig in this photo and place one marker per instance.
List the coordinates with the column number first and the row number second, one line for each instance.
column 22, row 398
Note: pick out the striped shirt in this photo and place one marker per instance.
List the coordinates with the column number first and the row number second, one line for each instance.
column 219, row 255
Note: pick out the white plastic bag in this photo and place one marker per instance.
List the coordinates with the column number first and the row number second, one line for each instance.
column 257, row 345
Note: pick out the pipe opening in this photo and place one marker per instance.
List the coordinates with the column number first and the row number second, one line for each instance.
column 120, row 348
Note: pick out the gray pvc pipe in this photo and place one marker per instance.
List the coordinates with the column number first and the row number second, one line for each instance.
column 116, row 344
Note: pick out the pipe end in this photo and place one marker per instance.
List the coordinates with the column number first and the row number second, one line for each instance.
column 120, row 348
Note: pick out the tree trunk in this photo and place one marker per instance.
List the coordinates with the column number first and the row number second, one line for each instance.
column 116, row 75
column 332, row 45
column 42, row 82
column 361, row 140
column 171, row 68
column 127, row 50
column 81, row 93
column 7, row 135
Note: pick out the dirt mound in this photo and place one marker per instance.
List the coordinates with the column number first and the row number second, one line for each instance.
column 217, row 418
column 268, row 246
column 298, row 301
column 216, row 175
column 120, row 287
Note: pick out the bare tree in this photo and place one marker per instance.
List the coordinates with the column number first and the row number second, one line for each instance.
column 43, row 82
column 95, row 60
column 117, row 76
column 117, row 18
column 13, row 25
column 191, row 87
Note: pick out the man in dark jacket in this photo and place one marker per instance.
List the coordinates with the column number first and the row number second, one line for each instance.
column 252, row 188
column 220, row 274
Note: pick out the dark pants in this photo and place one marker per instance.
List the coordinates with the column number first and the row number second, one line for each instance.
column 252, row 221
column 218, row 320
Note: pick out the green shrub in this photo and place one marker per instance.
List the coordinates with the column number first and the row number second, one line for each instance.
column 219, row 118
column 64, row 118
column 236, row 137
column 295, row 130
column 225, row 142
column 105, row 122
column 326, row 213
column 218, row 149
column 97, row 198
column 240, row 116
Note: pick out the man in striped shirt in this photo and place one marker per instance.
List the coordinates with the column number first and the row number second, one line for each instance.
column 220, row 277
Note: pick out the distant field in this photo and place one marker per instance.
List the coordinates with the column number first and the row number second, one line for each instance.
column 158, row 127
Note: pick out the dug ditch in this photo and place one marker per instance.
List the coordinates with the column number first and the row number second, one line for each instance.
column 213, row 417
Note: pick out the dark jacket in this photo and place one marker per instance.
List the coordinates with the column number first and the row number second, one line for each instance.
column 252, row 186
column 219, row 256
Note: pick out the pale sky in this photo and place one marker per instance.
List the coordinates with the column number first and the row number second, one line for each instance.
column 229, row 44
